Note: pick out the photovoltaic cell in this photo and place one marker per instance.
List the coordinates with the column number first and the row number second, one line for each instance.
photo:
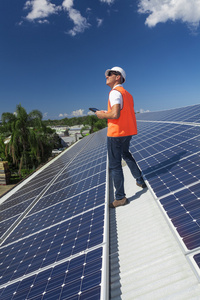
column 167, row 149
column 45, row 257
column 51, row 245
column 79, row 278
column 183, row 114
column 34, row 187
column 197, row 259
column 57, row 249
column 4, row 225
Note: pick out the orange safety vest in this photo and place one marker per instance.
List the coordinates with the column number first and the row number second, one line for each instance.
column 126, row 124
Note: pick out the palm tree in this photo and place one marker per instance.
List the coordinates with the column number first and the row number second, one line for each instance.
column 94, row 123
column 90, row 120
column 28, row 141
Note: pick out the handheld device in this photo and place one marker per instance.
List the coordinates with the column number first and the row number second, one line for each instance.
column 93, row 109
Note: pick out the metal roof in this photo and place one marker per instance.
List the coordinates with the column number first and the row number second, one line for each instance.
column 146, row 261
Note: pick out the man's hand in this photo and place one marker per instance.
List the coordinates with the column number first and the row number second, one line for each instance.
column 113, row 114
column 100, row 114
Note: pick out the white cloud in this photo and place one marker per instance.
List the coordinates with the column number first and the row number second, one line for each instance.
column 20, row 23
column 40, row 9
column 78, row 113
column 91, row 113
column 45, row 115
column 88, row 10
column 80, row 23
column 68, row 4
column 143, row 111
column 107, row 1
column 187, row 11
column 43, row 21
column 63, row 115
column 99, row 22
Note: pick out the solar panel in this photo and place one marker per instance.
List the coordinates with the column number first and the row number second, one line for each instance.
column 167, row 150
column 54, row 226
column 183, row 114
column 80, row 276
column 54, row 229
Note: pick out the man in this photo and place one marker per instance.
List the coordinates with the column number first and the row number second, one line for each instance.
column 121, row 126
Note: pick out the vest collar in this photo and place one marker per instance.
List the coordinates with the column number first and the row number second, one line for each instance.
column 116, row 86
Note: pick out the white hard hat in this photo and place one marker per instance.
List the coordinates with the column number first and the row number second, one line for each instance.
column 117, row 69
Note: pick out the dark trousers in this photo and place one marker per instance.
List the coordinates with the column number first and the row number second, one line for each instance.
column 118, row 148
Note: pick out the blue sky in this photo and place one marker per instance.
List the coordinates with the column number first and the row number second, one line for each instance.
column 53, row 54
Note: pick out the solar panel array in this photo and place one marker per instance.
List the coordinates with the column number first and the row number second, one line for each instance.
column 54, row 228
column 167, row 149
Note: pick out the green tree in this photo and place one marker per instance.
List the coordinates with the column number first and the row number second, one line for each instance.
column 100, row 124
column 2, row 149
column 94, row 123
column 91, row 120
column 30, row 140
column 83, row 130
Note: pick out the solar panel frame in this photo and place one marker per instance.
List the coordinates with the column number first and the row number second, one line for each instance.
column 189, row 114
column 167, row 151
column 100, row 167
column 193, row 259
column 25, row 184
column 170, row 165
column 41, row 285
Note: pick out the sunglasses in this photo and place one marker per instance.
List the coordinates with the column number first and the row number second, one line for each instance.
column 110, row 73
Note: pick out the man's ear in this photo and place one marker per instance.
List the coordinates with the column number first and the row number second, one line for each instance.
column 118, row 78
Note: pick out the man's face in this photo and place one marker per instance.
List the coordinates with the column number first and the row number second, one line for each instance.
column 112, row 78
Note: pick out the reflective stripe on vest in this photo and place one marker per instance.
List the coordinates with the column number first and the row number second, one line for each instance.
column 126, row 124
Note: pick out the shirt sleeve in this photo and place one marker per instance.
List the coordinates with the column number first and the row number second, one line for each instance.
column 115, row 97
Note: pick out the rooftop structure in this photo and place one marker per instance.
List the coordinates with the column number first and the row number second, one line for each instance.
column 54, row 226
